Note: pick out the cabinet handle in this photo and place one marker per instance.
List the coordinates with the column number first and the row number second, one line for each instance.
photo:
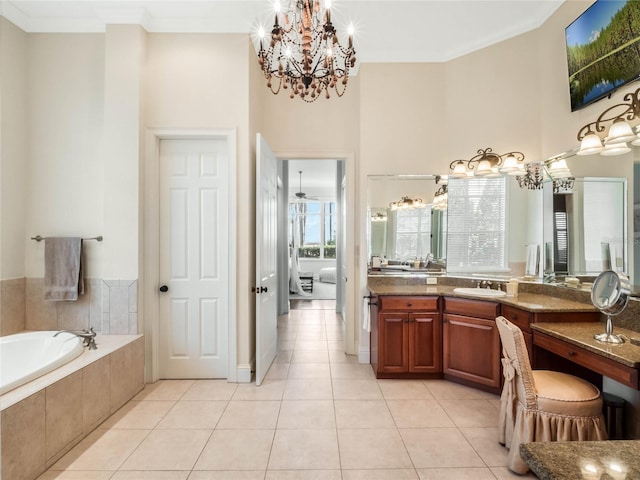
column 444, row 320
column 514, row 317
column 409, row 305
column 406, row 320
column 572, row 354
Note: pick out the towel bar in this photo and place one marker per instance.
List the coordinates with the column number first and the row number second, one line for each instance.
column 39, row 238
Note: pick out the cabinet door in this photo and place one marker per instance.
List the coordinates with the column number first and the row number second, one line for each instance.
column 471, row 350
column 425, row 344
column 393, row 342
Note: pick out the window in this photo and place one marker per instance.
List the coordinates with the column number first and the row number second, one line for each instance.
column 413, row 233
column 313, row 228
column 476, row 224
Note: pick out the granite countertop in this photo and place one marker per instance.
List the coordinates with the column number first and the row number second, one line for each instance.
column 581, row 334
column 614, row 460
column 531, row 302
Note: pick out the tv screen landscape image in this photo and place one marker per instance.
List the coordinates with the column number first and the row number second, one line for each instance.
column 603, row 50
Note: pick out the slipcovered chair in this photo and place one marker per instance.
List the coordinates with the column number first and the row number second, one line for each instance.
column 542, row 405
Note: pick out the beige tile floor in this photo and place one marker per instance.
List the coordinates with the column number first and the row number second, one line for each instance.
column 319, row 415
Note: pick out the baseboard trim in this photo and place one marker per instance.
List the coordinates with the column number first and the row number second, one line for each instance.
column 364, row 356
column 244, row 373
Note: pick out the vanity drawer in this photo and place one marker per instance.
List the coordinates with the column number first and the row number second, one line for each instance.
column 408, row 303
column 518, row 317
column 597, row 363
column 471, row 308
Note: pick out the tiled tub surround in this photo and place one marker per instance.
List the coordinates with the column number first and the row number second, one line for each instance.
column 45, row 418
column 12, row 306
column 109, row 306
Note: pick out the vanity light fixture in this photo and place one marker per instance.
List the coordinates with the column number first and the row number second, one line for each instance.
column 407, row 203
column 440, row 198
column 620, row 132
column 379, row 217
column 303, row 53
column 487, row 163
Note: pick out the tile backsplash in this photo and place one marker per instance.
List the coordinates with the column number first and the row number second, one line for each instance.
column 12, row 306
column 109, row 306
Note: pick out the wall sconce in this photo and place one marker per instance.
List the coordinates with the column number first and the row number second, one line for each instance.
column 486, row 163
column 620, row 132
column 379, row 217
column 407, row 203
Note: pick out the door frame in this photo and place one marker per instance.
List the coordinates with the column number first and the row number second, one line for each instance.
column 351, row 324
column 150, row 177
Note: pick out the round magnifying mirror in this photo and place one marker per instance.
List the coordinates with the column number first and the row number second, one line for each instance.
column 610, row 295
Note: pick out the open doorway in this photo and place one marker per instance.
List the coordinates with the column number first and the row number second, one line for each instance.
column 312, row 234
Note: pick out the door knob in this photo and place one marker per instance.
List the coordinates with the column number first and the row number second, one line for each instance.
column 164, row 288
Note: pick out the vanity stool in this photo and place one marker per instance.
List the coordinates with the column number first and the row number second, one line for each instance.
column 542, row 405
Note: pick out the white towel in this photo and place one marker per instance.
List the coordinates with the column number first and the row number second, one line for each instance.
column 531, row 267
column 366, row 316
column 63, row 268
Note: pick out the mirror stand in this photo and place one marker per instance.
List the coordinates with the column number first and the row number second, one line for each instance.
column 610, row 295
column 608, row 335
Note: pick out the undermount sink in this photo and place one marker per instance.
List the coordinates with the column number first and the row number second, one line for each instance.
column 480, row 292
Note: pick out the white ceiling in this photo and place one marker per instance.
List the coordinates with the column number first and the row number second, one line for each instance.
column 318, row 177
column 386, row 30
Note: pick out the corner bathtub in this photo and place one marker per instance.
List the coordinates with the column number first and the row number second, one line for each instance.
column 29, row 355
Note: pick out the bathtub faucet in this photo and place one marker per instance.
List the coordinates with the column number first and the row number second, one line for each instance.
column 88, row 337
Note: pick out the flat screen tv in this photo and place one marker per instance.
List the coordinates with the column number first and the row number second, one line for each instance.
column 603, row 50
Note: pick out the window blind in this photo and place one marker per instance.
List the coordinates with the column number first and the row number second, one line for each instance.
column 476, row 224
column 413, row 233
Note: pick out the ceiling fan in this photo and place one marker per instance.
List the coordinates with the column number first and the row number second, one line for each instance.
column 300, row 195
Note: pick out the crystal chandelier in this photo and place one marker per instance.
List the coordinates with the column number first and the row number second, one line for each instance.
column 555, row 168
column 304, row 54
column 532, row 177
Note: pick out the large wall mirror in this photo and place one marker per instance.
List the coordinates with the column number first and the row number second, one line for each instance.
column 585, row 227
column 405, row 225
column 578, row 229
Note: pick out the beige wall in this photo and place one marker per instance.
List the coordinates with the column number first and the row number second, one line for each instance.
column 13, row 148
column 65, row 186
column 201, row 81
column 91, row 98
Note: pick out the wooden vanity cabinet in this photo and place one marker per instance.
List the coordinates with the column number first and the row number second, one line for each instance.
column 406, row 337
column 471, row 343
column 524, row 319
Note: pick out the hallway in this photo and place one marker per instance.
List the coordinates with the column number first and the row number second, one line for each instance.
column 319, row 415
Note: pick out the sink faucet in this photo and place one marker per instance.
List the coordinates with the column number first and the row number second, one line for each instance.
column 88, row 336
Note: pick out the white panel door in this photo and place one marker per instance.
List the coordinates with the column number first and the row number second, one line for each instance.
column 266, row 288
column 194, row 272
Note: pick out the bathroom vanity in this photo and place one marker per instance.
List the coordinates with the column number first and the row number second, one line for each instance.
column 424, row 331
